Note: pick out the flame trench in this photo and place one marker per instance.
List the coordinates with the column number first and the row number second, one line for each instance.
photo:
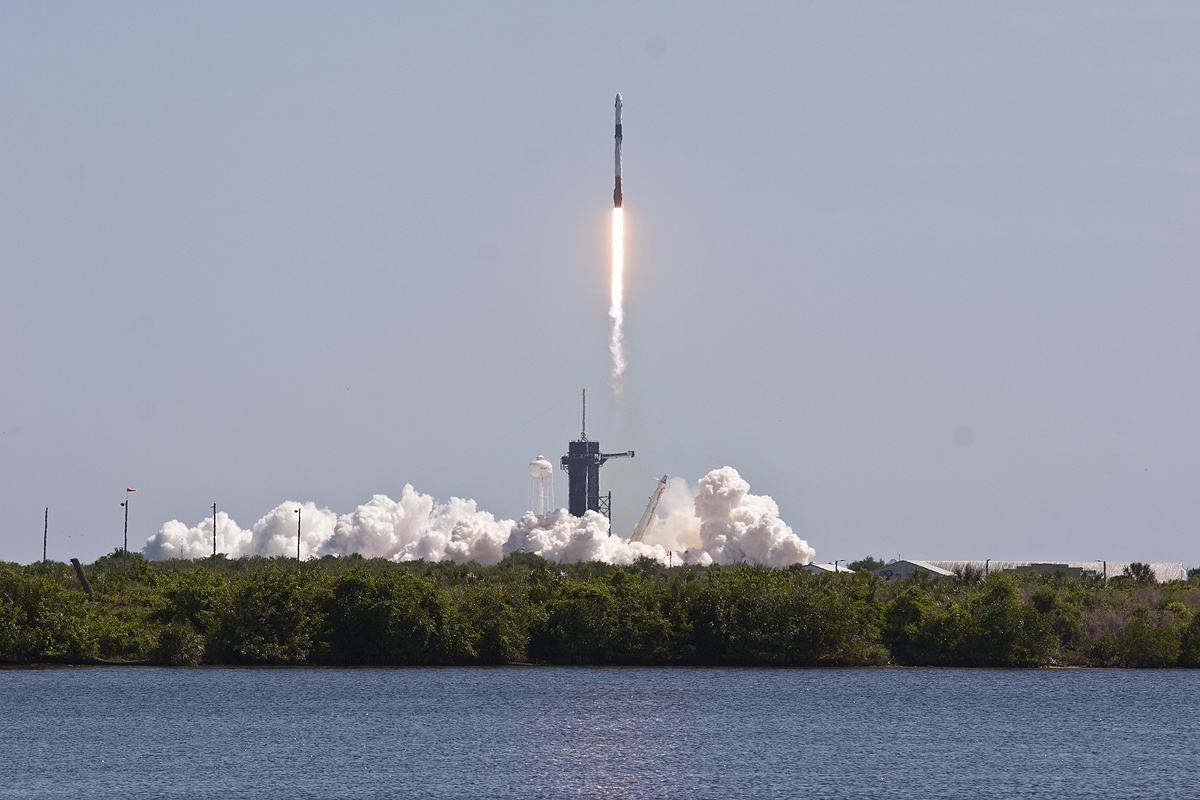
column 617, row 309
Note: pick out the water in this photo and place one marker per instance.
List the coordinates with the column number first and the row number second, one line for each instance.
column 543, row 732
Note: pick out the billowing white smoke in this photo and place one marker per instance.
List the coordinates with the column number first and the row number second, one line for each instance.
column 726, row 525
column 676, row 527
column 419, row 528
column 738, row 526
column 414, row 528
column 273, row 535
column 721, row 522
column 561, row 537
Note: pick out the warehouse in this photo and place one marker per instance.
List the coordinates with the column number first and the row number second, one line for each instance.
column 1163, row 570
column 900, row 570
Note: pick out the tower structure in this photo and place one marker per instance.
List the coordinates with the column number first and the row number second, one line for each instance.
column 582, row 463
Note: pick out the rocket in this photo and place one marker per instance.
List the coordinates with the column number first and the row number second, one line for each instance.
column 617, row 190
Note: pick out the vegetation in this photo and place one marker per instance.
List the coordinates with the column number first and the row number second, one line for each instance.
column 343, row 611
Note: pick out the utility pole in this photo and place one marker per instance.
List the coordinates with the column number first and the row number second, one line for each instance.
column 214, row 530
column 125, row 548
column 298, row 515
column 45, row 534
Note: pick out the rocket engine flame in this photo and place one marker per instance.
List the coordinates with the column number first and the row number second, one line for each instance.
column 617, row 310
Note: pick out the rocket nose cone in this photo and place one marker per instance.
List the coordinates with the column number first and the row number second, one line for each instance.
column 618, row 99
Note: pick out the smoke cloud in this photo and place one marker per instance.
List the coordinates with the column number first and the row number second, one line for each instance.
column 719, row 522
column 738, row 526
column 561, row 537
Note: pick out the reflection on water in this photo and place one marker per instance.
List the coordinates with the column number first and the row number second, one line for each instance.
column 549, row 732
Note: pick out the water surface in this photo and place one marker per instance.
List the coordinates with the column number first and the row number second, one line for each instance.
column 584, row 732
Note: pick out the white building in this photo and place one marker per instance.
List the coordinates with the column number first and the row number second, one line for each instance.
column 822, row 568
column 1163, row 570
column 906, row 569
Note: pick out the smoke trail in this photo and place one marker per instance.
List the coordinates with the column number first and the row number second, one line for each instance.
column 726, row 525
column 617, row 309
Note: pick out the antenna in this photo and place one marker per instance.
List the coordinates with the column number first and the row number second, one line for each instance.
column 583, row 436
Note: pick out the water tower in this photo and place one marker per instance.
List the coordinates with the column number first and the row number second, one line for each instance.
column 541, row 486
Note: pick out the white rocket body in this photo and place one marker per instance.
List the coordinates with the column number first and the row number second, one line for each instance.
column 617, row 190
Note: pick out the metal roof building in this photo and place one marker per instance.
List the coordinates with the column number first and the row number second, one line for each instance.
column 819, row 568
column 1163, row 570
column 900, row 570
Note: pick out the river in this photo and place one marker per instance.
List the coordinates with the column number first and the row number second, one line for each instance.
column 598, row 732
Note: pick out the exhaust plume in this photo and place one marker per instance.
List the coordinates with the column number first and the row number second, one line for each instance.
column 616, row 310
column 726, row 525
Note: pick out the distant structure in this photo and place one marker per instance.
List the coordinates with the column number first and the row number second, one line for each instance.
column 820, row 569
column 582, row 463
column 541, row 486
column 1163, row 570
column 900, row 570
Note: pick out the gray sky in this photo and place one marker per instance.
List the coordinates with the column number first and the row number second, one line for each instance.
column 925, row 273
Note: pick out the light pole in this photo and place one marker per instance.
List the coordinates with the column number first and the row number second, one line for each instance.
column 298, row 515
column 45, row 534
column 214, row 530
column 125, row 548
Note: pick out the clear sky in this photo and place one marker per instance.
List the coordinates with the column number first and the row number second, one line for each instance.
column 925, row 273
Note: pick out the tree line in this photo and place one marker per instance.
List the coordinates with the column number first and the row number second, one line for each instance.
column 356, row 611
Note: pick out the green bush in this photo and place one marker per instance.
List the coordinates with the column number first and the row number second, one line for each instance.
column 123, row 633
column 178, row 645
column 1003, row 631
column 1067, row 623
column 1104, row 652
column 992, row 628
column 759, row 616
column 1045, row 599
column 577, row 627
column 194, row 597
column 372, row 611
column 1139, row 573
column 496, row 623
column 269, row 619
column 390, row 619
column 40, row 621
column 1144, row 645
column 1189, row 643
column 906, row 627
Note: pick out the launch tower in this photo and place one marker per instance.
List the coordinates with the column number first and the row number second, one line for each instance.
column 582, row 463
